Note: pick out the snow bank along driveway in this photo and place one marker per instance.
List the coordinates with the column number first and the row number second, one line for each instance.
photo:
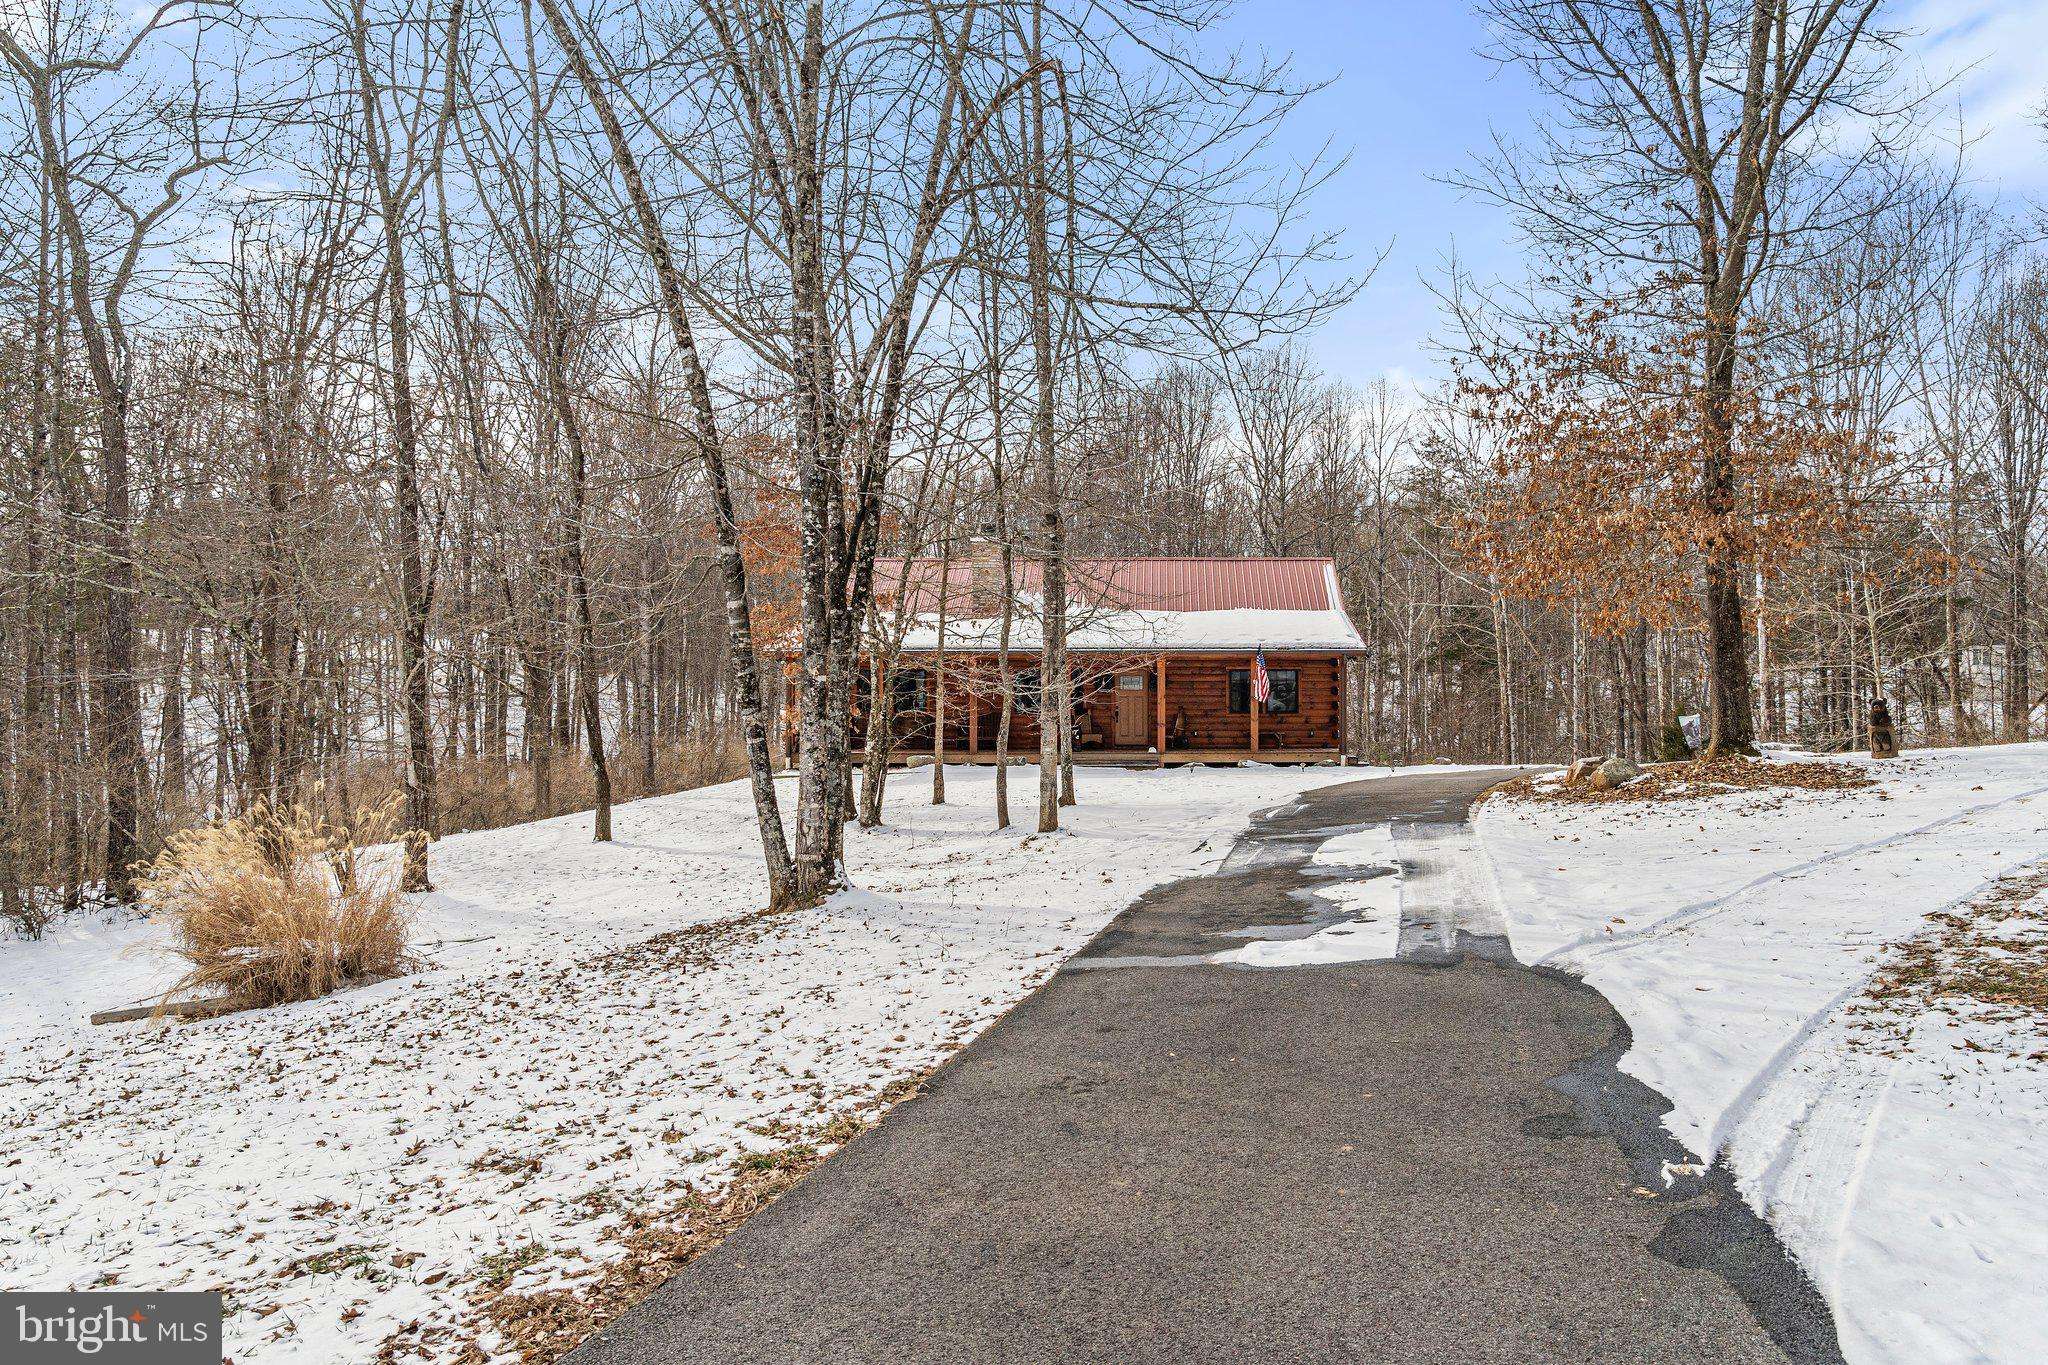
column 1907, row 1166
column 354, row 1165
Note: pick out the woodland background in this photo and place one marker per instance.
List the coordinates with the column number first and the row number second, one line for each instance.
column 349, row 440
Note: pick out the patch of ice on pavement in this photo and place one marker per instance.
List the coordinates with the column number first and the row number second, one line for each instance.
column 1448, row 901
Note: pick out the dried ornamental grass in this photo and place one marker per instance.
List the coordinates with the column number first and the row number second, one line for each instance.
column 279, row 905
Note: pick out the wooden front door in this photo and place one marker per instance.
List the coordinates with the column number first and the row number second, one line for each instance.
column 1133, row 709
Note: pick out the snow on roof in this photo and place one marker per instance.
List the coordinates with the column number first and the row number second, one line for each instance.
column 1139, row 605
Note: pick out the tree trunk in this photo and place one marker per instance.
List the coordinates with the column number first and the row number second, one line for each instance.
column 746, row 686
column 586, row 631
column 880, row 738
column 1731, row 725
column 418, row 772
column 939, row 683
column 1052, row 661
column 820, row 781
column 2018, row 692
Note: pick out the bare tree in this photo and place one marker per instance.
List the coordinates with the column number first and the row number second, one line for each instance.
column 401, row 127
column 707, row 439
column 2014, row 470
column 529, row 202
column 119, row 155
column 846, row 290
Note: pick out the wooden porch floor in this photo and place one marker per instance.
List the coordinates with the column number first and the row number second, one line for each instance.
column 1122, row 758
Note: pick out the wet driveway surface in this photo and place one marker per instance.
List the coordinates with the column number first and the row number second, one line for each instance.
column 1155, row 1158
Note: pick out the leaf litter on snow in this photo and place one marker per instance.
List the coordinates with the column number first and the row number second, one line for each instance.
column 604, row 1065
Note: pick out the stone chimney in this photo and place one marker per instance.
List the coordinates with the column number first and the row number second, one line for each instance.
column 984, row 572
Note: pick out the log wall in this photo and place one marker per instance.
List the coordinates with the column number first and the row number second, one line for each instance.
column 1197, row 703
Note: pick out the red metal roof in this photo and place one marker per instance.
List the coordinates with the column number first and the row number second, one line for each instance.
column 1206, row 584
column 1146, row 584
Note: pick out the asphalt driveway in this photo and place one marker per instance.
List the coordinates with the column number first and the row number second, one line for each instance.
column 1157, row 1159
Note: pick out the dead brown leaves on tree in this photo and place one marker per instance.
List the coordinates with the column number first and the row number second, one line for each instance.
column 1594, row 494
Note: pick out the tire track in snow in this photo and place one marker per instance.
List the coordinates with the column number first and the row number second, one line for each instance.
column 1749, row 1099
column 1698, row 912
column 1818, row 1147
column 1844, row 1147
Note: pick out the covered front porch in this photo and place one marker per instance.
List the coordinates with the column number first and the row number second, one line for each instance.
column 1157, row 709
column 1119, row 758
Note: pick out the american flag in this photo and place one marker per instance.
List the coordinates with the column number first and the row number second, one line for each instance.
column 1262, row 686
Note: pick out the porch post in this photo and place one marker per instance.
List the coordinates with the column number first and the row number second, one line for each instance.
column 1159, row 710
column 973, row 705
column 1251, row 700
column 1343, row 709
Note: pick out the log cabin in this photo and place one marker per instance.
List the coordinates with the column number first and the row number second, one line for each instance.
column 1163, row 653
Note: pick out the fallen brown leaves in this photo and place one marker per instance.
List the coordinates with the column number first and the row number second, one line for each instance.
column 1989, row 956
column 1690, row 782
column 543, row 1327
column 696, row 947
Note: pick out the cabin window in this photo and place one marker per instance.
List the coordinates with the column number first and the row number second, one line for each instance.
column 1286, row 698
column 1024, row 691
column 907, row 691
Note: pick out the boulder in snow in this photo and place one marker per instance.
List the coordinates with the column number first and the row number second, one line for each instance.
column 1615, row 772
column 1581, row 769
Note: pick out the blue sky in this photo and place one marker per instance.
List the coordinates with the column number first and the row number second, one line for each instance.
column 1412, row 100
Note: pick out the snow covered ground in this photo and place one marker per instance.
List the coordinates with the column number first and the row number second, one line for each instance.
column 351, row 1165
column 1906, row 1163
column 601, row 1025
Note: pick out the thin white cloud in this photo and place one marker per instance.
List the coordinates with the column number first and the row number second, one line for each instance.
column 1996, row 52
